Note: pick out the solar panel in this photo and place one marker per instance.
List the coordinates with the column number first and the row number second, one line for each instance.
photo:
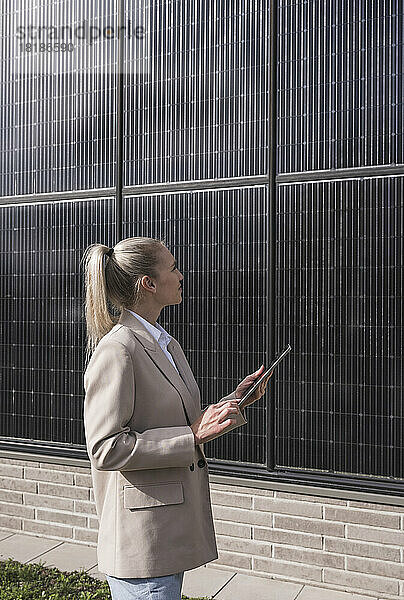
column 201, row 110
column 219, row 239
column 340, row 85
column 57, row 97
column 42, row 324
column 340, row 305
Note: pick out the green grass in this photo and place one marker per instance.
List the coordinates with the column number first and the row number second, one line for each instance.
column 37, row 582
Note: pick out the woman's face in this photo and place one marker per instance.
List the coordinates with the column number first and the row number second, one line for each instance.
column 168, row 280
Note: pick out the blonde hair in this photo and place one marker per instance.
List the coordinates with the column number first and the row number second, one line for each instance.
column 115, row 279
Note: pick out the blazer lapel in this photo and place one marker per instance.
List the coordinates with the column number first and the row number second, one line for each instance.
column 185, row 386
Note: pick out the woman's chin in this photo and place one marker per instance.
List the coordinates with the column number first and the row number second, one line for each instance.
column 174, row 302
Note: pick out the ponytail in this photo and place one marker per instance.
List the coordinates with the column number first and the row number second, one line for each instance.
column 113, row 276
column 98, row 318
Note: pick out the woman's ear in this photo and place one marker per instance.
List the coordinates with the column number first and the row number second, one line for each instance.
column 148, row 284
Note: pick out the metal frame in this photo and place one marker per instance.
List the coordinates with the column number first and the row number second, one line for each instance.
column 351, row 173
column 119, row 122
column 272, row 123
column 326, row 480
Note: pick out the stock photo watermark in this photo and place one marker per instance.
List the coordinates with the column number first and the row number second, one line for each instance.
column 85, row 45
column 45, row 35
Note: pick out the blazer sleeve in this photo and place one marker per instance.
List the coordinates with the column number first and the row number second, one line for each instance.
column 109, row 403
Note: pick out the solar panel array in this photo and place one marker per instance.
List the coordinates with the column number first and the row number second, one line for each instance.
column 199, row 110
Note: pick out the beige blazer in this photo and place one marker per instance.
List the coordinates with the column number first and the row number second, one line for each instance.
column 150, row 480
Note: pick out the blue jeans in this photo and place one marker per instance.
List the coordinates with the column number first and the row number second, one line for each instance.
column 167, row 587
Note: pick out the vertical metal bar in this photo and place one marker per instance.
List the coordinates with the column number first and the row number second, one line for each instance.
column 119, row 121
column 270, row 442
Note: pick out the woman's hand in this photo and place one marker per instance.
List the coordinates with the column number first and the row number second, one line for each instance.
column 248, row 381
column 214, row 419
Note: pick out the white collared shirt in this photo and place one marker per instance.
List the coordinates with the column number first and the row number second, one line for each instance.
column 162, row 337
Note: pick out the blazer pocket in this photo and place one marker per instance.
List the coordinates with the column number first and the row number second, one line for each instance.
column 152, row 494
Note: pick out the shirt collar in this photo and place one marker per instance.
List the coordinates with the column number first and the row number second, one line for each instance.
column 158, row 332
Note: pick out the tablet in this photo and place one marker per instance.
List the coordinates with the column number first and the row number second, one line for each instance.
column 264, row 376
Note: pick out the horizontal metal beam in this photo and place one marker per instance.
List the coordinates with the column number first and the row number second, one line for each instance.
column 188, row 186
column 36, row 456
column 373, row 485
column 310, row 490
column 43, row 449
column 139, row 190
column 337, row 174
column 209, row 184
column 58, row 196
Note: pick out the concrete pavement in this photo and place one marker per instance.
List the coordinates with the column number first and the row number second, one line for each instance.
column 205, row 581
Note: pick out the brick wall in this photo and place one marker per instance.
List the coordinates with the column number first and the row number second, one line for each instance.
column 332, row 543
column 47, row 499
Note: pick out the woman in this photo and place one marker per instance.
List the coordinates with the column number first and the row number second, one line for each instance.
column 144, row 426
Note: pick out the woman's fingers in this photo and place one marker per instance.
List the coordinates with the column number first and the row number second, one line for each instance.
column 222, row 402
column 256, row 374
column 227, row 413
column 214, row 420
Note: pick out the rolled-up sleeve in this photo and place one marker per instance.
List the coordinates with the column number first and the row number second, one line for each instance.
column 109, row 385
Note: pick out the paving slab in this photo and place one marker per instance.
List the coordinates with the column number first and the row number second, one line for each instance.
column 24, row 548
column 5, row 534
column 69, row 557
column 259, row 588
column 204, row 582
column 315, row 593
column 94, row 572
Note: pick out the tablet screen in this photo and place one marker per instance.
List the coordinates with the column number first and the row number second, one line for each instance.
column 276, row 361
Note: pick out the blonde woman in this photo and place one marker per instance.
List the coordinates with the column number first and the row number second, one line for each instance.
column 144, row 425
